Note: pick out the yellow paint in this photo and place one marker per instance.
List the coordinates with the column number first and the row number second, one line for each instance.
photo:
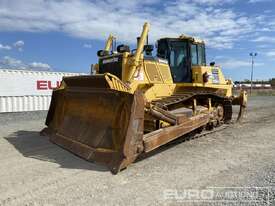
column 154, row 78
column 109, row 43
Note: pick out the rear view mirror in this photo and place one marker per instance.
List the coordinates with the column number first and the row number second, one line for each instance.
column 148, row 49
column 123, row 48
column 102, row 53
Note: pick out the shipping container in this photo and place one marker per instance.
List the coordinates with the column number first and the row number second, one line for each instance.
column 24, row 90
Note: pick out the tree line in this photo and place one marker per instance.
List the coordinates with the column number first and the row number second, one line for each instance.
column 247, row 81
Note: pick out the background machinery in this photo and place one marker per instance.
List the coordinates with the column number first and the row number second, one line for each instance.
column 136, row 102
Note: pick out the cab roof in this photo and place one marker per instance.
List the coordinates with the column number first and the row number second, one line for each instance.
column 186, row 37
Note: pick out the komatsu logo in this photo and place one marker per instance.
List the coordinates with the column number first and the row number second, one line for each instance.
column 107, row 61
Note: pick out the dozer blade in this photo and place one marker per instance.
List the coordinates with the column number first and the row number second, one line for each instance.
column 96, row 122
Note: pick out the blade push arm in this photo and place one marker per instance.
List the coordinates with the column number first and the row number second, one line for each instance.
column 139, row 51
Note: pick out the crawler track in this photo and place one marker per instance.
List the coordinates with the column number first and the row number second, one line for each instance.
column 197, row 135
column 178, row 100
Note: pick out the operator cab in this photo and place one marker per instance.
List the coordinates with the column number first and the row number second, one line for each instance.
column 182, row 53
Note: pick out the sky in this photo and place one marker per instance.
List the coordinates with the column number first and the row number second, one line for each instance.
column 64, row 35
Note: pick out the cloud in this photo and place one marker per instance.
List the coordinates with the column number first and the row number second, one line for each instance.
column 270, row 53
column 237, row 63
column 11, row 63
column 207, row 19
column 88, row 46
column 5, row 47
column 264, row 39
column 19, row 45
column 39, row 66
column 263, row 46
column 8, row 62
column 258, row 1
column 213, row 2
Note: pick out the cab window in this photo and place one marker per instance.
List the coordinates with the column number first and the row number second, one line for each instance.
column 162, row 49
column 201, row 55
column 194, row 54
column 198, row 55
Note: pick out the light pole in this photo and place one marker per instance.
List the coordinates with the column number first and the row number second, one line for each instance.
column 253, row 55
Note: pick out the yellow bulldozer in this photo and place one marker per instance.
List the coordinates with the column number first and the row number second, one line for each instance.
column 137, row 101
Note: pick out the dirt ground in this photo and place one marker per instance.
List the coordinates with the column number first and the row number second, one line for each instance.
column 34, row 171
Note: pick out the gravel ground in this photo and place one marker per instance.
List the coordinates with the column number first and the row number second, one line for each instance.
column 241, row 158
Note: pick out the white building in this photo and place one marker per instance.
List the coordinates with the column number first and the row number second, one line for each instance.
column 23, row 90
column 255, row 86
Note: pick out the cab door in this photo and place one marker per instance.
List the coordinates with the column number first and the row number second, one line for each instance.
column 177, row 53
column 179, row 62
